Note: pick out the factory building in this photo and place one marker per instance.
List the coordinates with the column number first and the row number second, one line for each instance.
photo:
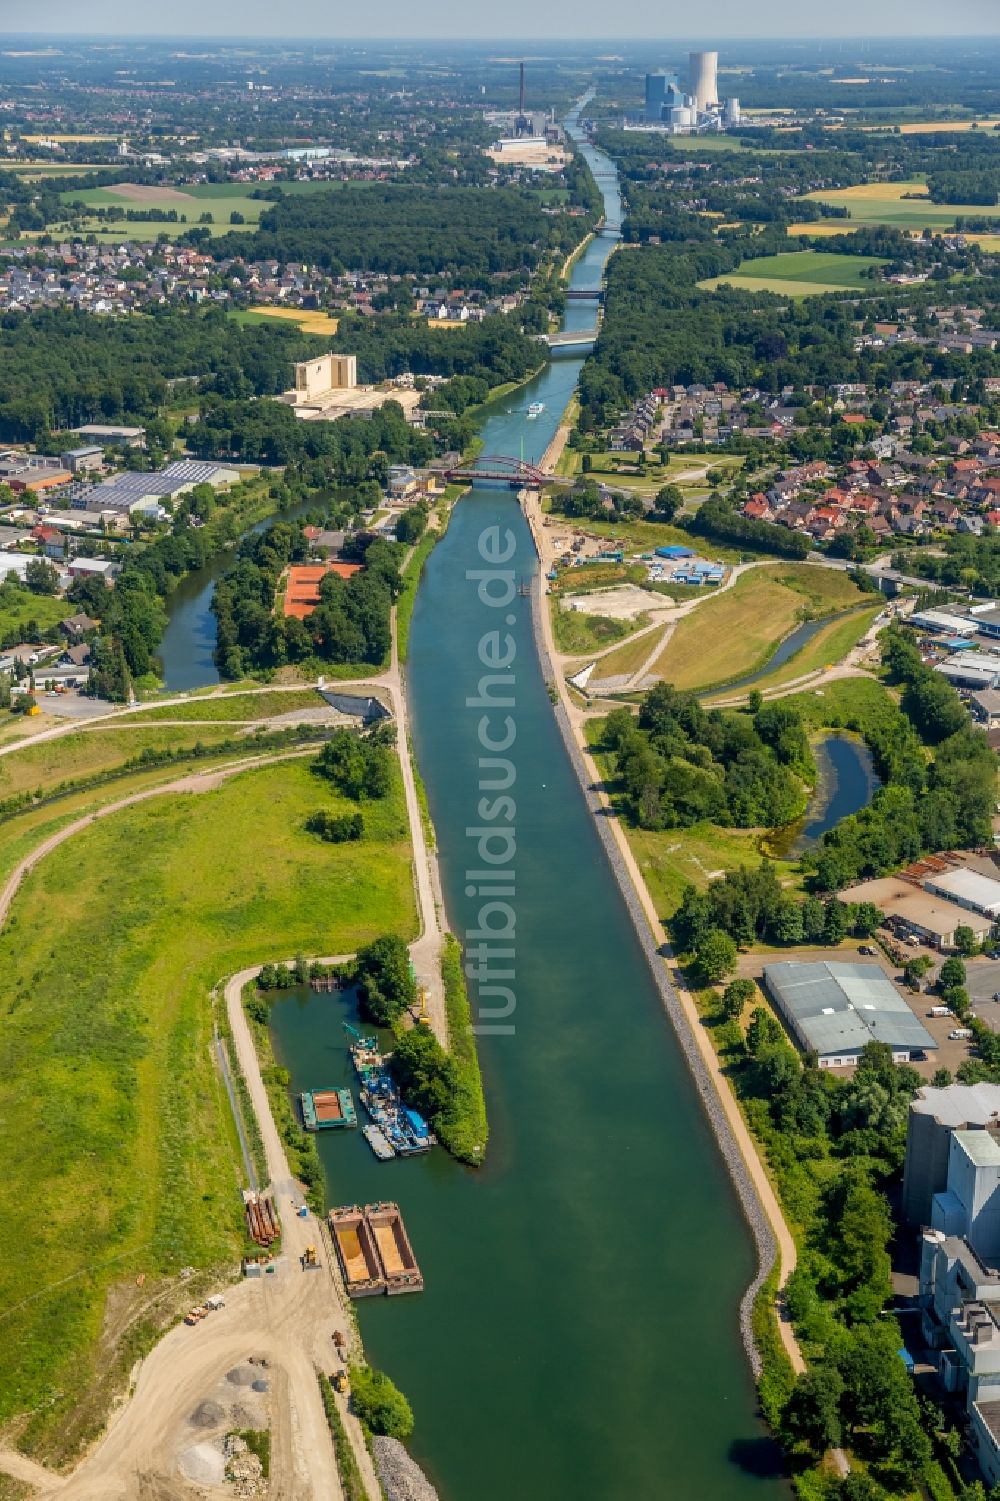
column 934, row 1115
column 667, row 107
column 835, row 1009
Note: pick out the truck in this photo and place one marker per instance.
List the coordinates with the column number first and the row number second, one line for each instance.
column 960, row 1034
column 939, row 1011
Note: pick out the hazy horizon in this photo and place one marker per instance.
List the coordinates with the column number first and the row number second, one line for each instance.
column 526, row 20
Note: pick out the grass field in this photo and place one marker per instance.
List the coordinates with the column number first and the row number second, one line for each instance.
column 686, row 470
column 116, row 1140
column 675, row 858
column 90, row 752
column 310, row 322
column 241, row 704
column 829, row 646
column 885, row 203
column 629, row 657
column 192, row 200
column 737, row 631
column 799, row 273
column 18, row 607
column 576, row 633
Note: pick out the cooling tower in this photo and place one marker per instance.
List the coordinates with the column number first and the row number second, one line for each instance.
column 704, row 87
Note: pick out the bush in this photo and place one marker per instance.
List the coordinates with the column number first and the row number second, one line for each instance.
column 384, row 977
column 379, row 1404
column 334, row 828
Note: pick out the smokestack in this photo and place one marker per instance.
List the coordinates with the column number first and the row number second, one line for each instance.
column 521, row 96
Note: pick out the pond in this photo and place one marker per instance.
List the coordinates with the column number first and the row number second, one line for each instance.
column 845, row 784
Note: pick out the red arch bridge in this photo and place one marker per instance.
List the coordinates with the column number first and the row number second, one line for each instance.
column 491, row 466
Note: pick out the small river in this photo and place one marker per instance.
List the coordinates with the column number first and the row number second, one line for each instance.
column 578, row 1335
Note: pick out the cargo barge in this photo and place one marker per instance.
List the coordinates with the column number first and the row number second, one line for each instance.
column 356, row 1252
column 327, row 1109
column 399, row 1265
column 404, row 1131
column 374, row 1251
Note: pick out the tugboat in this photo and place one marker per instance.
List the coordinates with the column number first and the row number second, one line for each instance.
column 536, row 409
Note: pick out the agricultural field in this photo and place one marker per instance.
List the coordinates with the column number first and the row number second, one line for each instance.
column 886, row 203
column 189, row 202
column 117, row 1143
column 800, row 273
column 309, row 321
column 736, row 632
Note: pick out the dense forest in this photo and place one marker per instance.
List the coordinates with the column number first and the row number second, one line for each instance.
column 472, row 236
column 681, row 763
column 60, row 368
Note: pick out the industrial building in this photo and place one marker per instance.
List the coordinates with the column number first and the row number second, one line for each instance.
column 327, row 388
column 136, row 492
column 921, row 913
column 835, row 1009
column 969, row 890
column 951, row 1187
column 670, row 108
column 934, row 1115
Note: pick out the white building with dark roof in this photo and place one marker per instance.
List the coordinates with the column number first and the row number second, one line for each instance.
column 835, row 1008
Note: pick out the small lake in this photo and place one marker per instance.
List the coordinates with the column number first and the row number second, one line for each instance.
column 846, row 783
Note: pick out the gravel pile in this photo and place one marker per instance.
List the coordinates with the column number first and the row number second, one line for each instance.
column 753, row 1209
column 204, row 1464
column 241, row 1375
column 207, row 1415
column 401, row 1476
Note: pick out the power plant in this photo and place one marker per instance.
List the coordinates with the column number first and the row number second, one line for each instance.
column 670, row 109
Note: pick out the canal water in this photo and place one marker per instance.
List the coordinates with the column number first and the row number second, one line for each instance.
column 578, row 1335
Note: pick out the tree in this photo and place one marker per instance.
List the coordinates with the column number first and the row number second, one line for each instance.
column 736, row 996
column 867, row 919
column 716, row 956
column 384, row 978
column 836, row 922
column 41, row 577
column 941, row 1078
column 668, row 502
column 966, row 942
column 379, row 1404
column 951, row 973
column 811, row 1416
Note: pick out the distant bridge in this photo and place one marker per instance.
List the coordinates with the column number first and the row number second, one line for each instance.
column 572, row 339
column 499, row 467
column 585, row 294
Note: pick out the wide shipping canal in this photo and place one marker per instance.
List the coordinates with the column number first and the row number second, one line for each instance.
column 578, row 1335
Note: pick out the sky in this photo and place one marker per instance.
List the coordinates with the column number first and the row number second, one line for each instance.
column 514, row 19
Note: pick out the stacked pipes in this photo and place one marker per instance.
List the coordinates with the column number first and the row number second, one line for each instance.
column 262, row 1218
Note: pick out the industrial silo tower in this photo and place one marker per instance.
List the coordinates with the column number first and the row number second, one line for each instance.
column 704, row 87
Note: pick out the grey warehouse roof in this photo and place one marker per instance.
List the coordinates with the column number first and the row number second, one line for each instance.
column 837, row 1007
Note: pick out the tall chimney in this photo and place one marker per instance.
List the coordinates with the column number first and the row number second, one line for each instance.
column 521, row 106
